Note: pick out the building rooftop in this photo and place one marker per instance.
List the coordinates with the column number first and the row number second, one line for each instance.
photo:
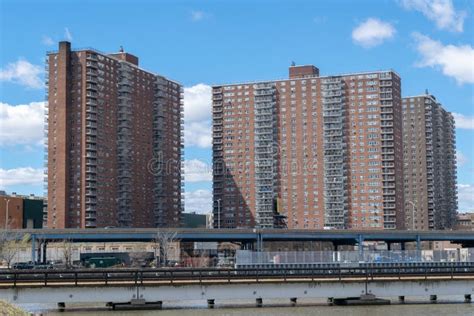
column 305, row 78
column 121, row 56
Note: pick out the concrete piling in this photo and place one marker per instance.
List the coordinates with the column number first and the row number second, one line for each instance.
column 210, row 303
column 61, row 306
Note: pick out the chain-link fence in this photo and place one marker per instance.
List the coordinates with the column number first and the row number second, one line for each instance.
column 250, row 258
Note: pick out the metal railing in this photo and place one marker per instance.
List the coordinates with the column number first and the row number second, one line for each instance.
column 157, row 277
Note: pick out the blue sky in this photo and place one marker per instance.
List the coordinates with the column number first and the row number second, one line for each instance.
column 200, row 43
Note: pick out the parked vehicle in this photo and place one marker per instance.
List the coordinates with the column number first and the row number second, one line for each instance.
column 102, row 262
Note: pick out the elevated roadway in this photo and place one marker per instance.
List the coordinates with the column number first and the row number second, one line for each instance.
column 144, row 286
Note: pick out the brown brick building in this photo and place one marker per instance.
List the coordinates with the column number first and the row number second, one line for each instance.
column 430, row 164
column 11, row 212
column 323, row 151
column 114, row 142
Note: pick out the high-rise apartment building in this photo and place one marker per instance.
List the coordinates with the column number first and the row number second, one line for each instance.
column 114, row 142
column 430, row 164
column 322, row 151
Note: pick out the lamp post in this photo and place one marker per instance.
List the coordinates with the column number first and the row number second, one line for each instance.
column 6, row 214
column 218, row 213
column 412, row 214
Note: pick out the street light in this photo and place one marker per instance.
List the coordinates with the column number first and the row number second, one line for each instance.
column 6, row 215
column 412, row 214
column 218, row 213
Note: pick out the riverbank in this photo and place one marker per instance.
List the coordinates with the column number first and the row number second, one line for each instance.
column 11, row 310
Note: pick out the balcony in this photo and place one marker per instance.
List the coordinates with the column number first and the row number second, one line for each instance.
column 92, row 87
column 92, row 64
column 332, row 100
column 336, row 93
column 91, row 102
column 91, row 147
column 90, row 177
column 91, row 170
column 90, row 131
column 91, row 72
column 264, row 92
column 387, row 130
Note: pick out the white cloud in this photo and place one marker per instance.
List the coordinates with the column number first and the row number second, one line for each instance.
column 24, row 73
column 461, row 159
column 20, row 176
column 198, row 15
column 198, row 134
column 197, row 102
column 21, row 124
column 442, row 12
column 466, row 197
column 372, row 32
column 48, row 41
column 196, row 170
column 463, row 121
column 197, row 116
column 199, row 201
column 454, row 61
column 67, row 34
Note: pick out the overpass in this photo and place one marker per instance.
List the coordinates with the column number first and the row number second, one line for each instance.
column 153, row 286
column 246, row 236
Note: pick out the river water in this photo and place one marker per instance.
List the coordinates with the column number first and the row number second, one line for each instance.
column 445, row 306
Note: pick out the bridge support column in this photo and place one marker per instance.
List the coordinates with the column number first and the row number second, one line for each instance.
column 43, row 254
column 360, row 243
column 293, row 301
column 467, row 298
column 418, row 247
column 210, row 303
column 259, row 302
column 33, row 249
column 433, row 298
column 401, row 299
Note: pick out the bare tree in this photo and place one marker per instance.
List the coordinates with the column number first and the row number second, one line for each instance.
column 11, row 244
column 66, row 252
column 163, row 243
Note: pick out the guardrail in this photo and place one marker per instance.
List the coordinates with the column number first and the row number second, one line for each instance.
column 104, row 277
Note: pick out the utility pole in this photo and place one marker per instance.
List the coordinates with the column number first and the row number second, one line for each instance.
column 6, row 214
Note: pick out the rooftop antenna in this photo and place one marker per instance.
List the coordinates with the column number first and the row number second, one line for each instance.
column 293, row 64
column 426, row 92
column 121, row 48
